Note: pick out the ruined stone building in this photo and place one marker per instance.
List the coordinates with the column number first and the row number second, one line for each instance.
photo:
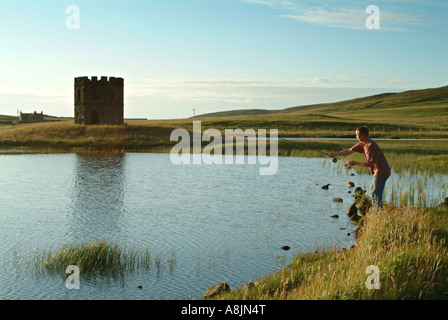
column 31, row 117
column 99, row 101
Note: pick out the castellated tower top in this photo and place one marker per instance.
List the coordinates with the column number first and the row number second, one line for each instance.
column 99, row 101
column 102, row 79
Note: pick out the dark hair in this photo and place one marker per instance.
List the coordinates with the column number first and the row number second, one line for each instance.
column 363, row 130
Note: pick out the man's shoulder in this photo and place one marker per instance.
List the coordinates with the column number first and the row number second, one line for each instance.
column 372, row 146
column 358, row 147
column 371, row 143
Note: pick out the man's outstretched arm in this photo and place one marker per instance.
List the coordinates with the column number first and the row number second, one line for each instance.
column 346, row 152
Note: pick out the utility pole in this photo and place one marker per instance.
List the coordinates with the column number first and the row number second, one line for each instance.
column 194, row 113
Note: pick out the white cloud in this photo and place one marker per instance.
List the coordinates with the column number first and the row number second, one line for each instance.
column 355, row 19
column 271, row 3
column 344, row 18
column 398, row 81
column 340, row 79
column 348, row 16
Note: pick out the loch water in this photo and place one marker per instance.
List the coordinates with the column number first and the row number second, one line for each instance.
column 220, row 222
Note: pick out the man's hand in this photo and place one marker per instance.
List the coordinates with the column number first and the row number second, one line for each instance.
column 351, row 164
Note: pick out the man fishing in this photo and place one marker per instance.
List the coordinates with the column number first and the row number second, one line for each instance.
column 375, row 160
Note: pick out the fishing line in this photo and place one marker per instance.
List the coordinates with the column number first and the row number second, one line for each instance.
column 335, row 159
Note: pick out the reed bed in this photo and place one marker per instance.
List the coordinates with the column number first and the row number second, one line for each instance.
column 101, row 258
column 420, row 189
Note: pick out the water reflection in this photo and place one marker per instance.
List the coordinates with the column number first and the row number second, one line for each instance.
column 224, row 223
column 97, row 196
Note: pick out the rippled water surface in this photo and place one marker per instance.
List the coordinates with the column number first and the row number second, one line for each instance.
column 221, row 222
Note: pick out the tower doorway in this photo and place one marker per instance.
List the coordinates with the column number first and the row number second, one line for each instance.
column 94, row 117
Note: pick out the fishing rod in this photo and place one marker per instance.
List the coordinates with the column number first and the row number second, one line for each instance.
column 335, row 159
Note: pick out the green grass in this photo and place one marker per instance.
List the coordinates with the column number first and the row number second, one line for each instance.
column 410, row 114
column 385, row 101
column 407, row 244
column 100, row 258
column 154, row 136
column 322, row 126
column 67, row 136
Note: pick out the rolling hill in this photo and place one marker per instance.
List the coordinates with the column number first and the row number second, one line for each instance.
column 433, row 101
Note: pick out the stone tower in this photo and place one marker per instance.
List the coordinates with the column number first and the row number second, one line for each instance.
column 99, row 101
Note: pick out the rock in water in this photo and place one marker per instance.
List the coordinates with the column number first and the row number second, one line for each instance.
column 216, row 290
column 335, row 216
column 337, row 199
column 325, row 186
column 352, row 212
column 286, row 248
column 350, row 184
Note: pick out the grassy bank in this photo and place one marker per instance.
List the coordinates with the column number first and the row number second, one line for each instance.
column 67, row 136
column 407, row 244
column 154, row 136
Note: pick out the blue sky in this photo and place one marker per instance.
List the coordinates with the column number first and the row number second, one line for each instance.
column 217, row 55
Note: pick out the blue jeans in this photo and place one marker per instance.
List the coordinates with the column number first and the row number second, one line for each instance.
column 376, row 189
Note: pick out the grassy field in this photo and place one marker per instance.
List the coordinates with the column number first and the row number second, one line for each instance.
column 67, row 136
column 426, row 109
column 154, row 136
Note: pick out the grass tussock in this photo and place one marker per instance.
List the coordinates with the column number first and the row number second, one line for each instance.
column 101, row 257
column 405, row 244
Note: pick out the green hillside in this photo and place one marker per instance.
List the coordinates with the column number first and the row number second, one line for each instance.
column 426, row 102
column 410, row 114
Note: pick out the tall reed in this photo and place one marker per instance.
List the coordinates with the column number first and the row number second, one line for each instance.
column 101, row 257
